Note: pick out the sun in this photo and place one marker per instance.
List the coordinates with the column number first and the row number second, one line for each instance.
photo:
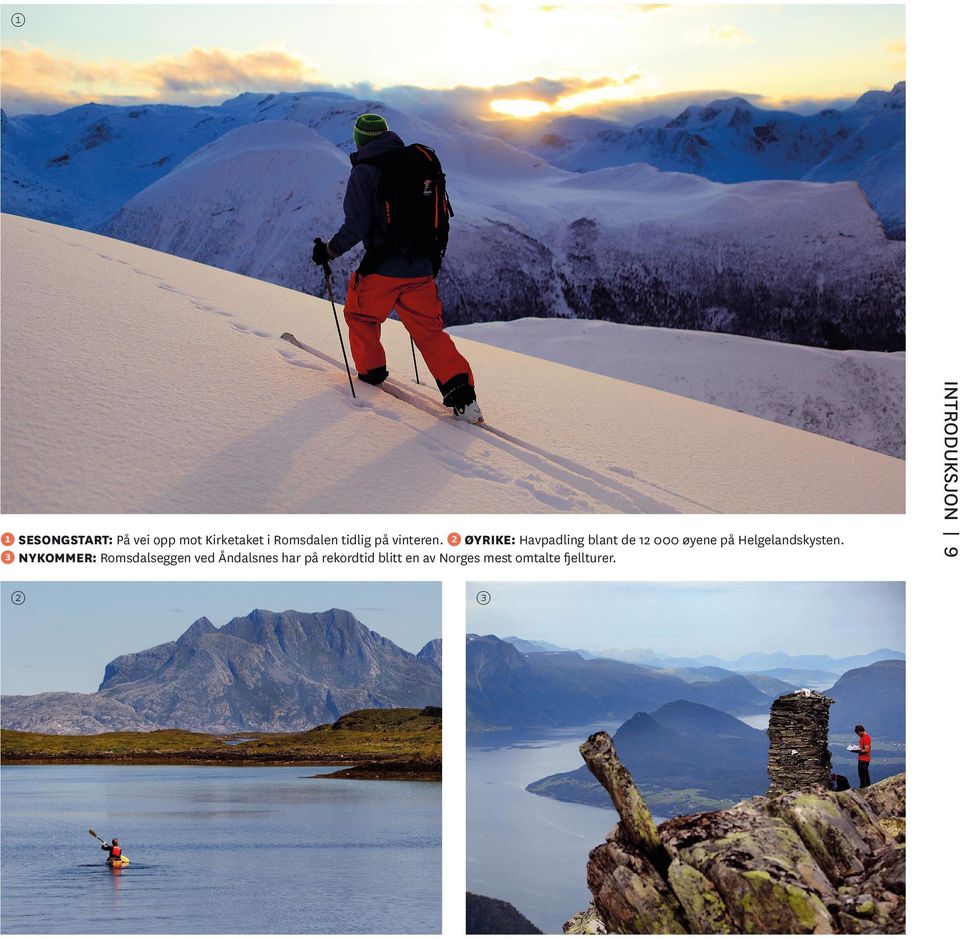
column 520, row 107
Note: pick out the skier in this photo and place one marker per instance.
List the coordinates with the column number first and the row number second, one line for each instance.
column 403, row 253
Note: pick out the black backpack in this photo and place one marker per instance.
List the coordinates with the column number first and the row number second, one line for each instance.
column 839, row 783
column 413, row 194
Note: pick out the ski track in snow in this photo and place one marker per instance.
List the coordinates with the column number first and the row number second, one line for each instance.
column 199, row 424
column 564, row 471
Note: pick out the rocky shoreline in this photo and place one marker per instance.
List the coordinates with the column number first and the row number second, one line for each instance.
column 398, row 743
column 410, row 770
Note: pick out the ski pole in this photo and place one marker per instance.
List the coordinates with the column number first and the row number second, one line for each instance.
column 336, row 319
column 413, row 350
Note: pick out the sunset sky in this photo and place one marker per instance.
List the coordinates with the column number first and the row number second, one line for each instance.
column 558, row 57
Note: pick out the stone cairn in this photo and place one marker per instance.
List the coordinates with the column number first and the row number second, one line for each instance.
column 798, row 754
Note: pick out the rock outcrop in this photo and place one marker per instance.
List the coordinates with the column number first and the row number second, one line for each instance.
column 805, row 861
column 487, row 916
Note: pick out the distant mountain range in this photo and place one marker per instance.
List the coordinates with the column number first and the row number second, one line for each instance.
column 510, row 690
column 247, row 185
column 687, row 757
column 732, row 141
column 265, row 671
column 788, row 668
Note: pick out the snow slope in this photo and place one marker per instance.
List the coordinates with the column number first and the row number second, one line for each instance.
column 134, row 381
column 857, row 397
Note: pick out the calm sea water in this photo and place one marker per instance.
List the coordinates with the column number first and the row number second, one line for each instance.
column 217, row 850
column 526, row 849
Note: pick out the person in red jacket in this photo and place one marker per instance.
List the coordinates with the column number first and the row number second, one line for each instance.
column 388, row 280
column 114, row 849
column 864, row 746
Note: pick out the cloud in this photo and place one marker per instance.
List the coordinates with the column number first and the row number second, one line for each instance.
column 726, row 36
column 564, row 94
column 804, row 105
column 466, row 102
column 215, row 69
column 518, row 17
column 35, row 81
column 492, row 17
column 897, row 50
column 198, row 76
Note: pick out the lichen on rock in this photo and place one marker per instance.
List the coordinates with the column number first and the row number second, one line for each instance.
column 804, row 861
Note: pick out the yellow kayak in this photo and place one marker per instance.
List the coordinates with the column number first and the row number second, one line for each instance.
column 123, row 862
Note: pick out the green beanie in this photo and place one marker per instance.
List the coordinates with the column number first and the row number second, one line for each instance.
column 367, row 127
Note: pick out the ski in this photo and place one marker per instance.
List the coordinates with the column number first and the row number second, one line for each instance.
column 418, row 399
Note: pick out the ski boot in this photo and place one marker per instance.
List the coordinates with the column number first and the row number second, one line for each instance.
column 469, row 413
column 459, row 395
column 376, row 376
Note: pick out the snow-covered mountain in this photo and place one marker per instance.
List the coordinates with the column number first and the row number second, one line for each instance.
column 781, row 260
column 135, row 381
column 80, row 166
column 795, row 262
column 208, row 210
column 857, row 397
column 732, row 140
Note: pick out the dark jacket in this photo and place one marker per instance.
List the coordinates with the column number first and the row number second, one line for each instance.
column 364, row 218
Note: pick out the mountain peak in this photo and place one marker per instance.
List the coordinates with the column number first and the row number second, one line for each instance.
column 432, row 653
column 730, row 104
column 895, row 99
column 264, row 671
column 199, row 627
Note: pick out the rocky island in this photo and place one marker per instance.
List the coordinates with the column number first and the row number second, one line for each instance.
column 374, row 743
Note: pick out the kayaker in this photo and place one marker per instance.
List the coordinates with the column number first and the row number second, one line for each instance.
column 114, row 849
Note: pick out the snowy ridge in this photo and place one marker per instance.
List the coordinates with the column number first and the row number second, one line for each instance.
column 267, row 236
column 135, row 381
column 732, row 140
column 857, row 397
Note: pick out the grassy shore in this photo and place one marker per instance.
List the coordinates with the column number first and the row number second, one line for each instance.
column 373, row 742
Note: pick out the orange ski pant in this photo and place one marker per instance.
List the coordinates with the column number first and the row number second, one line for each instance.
column 371, row 297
